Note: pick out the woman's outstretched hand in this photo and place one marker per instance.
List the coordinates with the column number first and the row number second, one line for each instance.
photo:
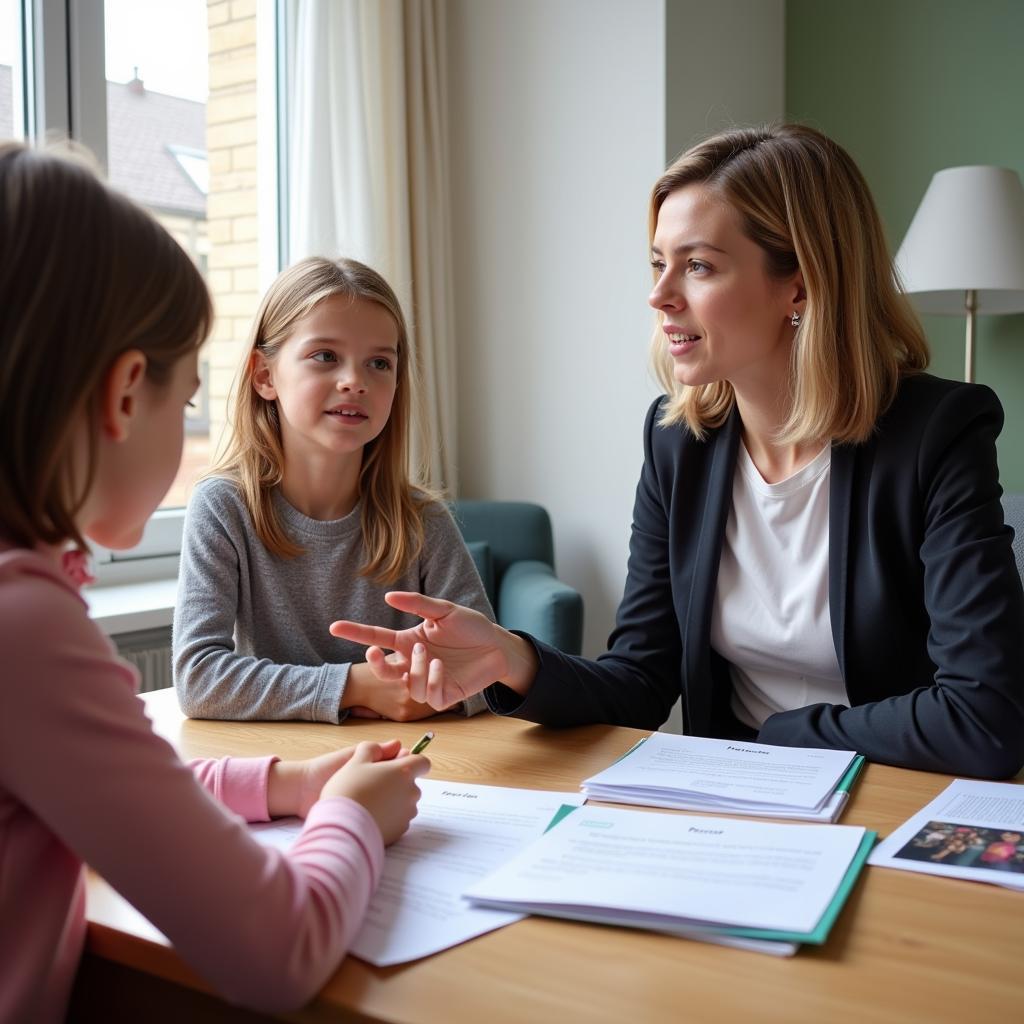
column 452, row 654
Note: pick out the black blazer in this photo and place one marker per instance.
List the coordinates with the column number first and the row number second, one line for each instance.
column 926, row 603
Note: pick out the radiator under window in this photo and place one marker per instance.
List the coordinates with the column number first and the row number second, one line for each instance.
column 149, row 650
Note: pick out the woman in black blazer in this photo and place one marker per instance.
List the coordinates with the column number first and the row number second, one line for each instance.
column 818, row 555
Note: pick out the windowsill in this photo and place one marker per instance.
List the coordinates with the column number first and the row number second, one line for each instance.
column 127, row 607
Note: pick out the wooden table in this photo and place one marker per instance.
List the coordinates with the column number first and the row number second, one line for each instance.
column 907, row 947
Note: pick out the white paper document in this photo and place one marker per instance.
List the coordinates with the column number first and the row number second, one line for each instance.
column 281, row 832
column 461, row 833
column 696, row 773
column 680, row 874
column 971, row 830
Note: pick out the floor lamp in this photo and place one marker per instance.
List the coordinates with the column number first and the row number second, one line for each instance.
column 963, row 253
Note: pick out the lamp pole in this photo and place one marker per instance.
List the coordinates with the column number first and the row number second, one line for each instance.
column 971, row 306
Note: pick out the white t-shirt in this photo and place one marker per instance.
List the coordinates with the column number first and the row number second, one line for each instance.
column 771, row 614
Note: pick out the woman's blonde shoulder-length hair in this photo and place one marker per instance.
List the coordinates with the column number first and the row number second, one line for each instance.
column 85, row 275
column 393, row 497
column 802, row 199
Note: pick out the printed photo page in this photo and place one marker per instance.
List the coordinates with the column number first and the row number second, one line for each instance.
column 971, row 830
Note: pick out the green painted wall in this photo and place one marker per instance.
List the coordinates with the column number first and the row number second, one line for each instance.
column 910, row 87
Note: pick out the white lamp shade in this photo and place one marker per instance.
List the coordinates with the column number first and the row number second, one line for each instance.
column 968, row 233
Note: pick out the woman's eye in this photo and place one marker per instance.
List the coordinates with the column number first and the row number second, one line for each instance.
column 324, row 357
column 658, row 266
column 698, row 266
column 380, row 363
column 190, row 404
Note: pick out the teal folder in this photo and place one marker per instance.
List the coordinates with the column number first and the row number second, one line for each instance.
column 819, row 933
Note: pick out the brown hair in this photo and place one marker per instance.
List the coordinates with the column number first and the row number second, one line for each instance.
column 802, row 199
column 85, row 275
column 391, row 517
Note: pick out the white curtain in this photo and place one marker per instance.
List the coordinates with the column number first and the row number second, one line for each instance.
column 368, row 171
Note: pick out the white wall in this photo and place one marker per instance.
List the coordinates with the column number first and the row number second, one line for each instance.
column 562, row 113
column 557, row 114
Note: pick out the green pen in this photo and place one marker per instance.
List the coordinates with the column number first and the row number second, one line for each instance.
column 421, row 743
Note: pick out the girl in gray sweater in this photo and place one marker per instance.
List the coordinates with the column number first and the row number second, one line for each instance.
column 311, row 515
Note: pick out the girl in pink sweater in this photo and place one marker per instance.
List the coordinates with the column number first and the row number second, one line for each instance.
column 101, row 318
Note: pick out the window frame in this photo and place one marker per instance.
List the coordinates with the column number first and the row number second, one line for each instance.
column 22, row 85
column 155, row 556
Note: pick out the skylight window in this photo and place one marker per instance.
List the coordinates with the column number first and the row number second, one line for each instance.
column 193, row 162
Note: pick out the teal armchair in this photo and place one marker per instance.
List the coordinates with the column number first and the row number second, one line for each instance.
column 512, row 545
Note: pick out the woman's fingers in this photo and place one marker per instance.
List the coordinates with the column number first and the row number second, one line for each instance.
column 419, row 604
column 418, row 674
column 375, row 636
column 441, row 692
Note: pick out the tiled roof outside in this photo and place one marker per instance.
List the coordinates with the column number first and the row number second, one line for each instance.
column 141, row 126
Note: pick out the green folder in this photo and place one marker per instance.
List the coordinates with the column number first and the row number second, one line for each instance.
column 819, row 933
column 845, row 784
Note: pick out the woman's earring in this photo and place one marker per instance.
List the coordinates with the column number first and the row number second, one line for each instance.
column 795, row 319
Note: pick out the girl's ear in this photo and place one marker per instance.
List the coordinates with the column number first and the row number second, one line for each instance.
column 262, row 378
column 119, row 394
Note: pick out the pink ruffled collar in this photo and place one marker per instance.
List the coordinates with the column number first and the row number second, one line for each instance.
column 77, row 565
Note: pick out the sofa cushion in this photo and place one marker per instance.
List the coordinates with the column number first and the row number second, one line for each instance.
column 484, row 561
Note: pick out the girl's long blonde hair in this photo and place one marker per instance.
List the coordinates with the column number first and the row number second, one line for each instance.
column 802, row 199
column 392, row 498
column 85, row 275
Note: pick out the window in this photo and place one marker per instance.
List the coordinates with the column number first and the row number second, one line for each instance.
column 156, row 55
column 13, row 79
column 182, row 139
column 178, row 100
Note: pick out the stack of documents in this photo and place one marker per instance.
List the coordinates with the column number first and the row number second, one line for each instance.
column 758, row 885
column 692, row 773
column 462, row 832
column 971, row 830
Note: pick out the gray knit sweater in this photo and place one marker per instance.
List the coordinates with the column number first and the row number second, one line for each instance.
column 250, row 629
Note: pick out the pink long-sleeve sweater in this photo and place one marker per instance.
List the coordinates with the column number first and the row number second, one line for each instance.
column 83, row 778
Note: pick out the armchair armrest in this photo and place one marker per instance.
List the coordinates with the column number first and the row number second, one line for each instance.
column 532, row 599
